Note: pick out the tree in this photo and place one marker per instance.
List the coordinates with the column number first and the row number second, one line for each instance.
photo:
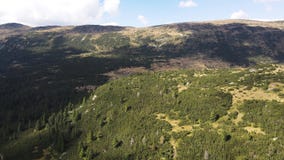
column 81, row 149
column 76, row 116
column 19, row 128
column 214, row 116
column 90, row 154
column 116, row 143
column 90, row 136
column 75, row 132
column 37, row 125
column 59, row 145
column 226, row 136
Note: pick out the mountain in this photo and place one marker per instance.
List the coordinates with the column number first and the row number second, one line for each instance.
column 46, row 72
column 186, row 114
column 96, row 29
column 13, row 26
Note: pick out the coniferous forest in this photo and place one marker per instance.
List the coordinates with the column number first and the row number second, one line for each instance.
column 178, row 91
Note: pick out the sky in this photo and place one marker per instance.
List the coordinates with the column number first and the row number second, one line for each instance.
column 137, row 13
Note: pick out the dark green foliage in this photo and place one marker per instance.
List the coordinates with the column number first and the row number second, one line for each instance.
column 116, row 143
column 59, row 143
column 214, row 116
column 122, row 123
column 226, row 136
column 266, row 115
column 76, row 116
column 37, row 125
column 90, row 137
column 203, row 105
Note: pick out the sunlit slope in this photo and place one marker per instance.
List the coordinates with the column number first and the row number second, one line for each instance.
column 220, row 114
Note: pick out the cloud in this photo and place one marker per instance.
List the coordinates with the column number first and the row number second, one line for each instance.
column 111, row 6
column 187, row 3
column 60, row 12
column 142, row 19
column 239, row 15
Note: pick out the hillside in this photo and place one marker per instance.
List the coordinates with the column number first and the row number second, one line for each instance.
column 46, row 71
column 186, row 114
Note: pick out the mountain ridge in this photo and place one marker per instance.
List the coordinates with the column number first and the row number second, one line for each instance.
column 225, row 21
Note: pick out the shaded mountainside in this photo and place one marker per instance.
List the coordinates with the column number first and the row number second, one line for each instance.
column 96, row 29
column 44, row 70
column 13, row 26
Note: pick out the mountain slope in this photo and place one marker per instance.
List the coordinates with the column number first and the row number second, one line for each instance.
column 13, row 26
column 187, row 114
column 44, row 70
column 45, row 59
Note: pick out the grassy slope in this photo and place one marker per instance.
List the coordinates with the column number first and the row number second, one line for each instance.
column 129, row 110
column 184, row 115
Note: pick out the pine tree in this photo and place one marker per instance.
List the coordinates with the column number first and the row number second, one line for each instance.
column 81, row 150
column 37, row 125
column 116, row 143
column 42, row 121
column 19, row 128
column 214, row 116
column 74, row 132
column 90, row 137
column 60, row 143
column 76, row 116
column 29, row 124
column 90, row 154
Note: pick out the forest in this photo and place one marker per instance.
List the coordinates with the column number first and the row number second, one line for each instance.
column 183, row 114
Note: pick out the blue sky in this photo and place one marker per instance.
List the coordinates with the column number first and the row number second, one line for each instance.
column 135, row 12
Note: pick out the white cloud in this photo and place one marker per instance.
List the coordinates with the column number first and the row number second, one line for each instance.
column 111, row 6
column 239, row 15
column 142, row 19
column 187, row 3
column 62, row 12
